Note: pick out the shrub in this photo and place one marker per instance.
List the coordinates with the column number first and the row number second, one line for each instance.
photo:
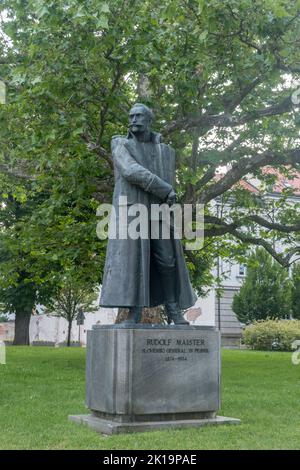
column 42, row 343
column 266, row 291
column 272, row 334
column 73, row 344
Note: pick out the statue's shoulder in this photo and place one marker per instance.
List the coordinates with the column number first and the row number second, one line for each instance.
column 158, row 139
column 117, row 140
column 118, row 137
column 167, row 149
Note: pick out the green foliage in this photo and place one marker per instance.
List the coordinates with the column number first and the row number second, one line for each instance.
column 265, row 292
column 72, row 70
column 71, row 296
column 23, row 283
column 270, row 335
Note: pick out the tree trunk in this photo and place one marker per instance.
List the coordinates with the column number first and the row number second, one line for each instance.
column 69, row 332
column 22, row 322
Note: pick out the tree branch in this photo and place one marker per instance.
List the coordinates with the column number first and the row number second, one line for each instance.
column 103, row 154
column 274, row 225
column 226, row 119
column 247, row 165
column 232, row 229
column 283, row 260
column 222, row 226
column 244, row 92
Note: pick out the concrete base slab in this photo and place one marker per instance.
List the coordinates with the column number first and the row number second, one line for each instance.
column 105, row 426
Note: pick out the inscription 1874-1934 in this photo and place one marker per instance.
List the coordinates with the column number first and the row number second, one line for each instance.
column 175, row 349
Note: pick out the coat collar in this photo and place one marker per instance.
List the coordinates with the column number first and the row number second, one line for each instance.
column 155, row 137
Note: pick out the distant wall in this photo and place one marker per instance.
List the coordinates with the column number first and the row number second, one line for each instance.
column 51, row 328
column 7, row 331
column 55, row 329
column 229, row 322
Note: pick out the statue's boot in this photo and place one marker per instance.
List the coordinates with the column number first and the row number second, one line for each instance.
column 174, row 314
column 172, row 309
column 134, row 316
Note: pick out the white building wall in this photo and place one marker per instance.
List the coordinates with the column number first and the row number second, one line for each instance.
column 55, row 329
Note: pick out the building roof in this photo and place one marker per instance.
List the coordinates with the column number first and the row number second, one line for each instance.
column 252, row 184
column 283, row 182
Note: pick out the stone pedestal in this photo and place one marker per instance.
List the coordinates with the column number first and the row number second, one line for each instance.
column 152, row 377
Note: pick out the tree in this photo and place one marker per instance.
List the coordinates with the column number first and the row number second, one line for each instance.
column 70, row 298
column 23, row 281
column 295, row 296
column 221, row 78
column 265, row 292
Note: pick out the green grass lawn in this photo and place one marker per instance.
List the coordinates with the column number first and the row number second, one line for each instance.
column 40, row 387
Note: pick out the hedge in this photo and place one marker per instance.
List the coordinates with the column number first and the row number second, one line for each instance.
column 270, row 335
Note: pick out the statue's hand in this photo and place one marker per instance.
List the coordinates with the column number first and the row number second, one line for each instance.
column 171, row 198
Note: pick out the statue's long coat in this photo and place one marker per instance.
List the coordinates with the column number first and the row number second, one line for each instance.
column 144, row 173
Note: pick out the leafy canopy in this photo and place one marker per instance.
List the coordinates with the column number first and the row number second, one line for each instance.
column 220, row 78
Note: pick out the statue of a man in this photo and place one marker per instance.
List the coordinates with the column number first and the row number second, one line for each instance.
column 145, row 272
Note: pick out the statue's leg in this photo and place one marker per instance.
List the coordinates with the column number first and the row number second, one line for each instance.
column 164, row 258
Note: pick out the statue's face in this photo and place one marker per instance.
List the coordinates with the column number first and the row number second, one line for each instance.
column 138, row 120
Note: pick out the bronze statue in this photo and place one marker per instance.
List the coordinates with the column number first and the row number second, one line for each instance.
column 145, row 272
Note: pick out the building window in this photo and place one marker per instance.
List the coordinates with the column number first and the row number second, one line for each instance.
column 242, row 270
